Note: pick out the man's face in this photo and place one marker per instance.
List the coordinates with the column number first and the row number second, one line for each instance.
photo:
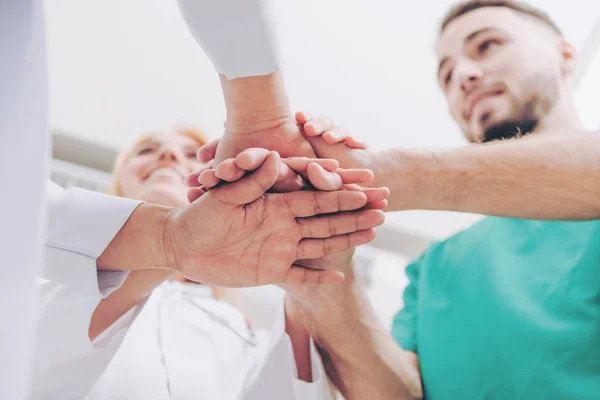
column 500, row 72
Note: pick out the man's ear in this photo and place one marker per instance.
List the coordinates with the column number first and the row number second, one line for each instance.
column 568, row 58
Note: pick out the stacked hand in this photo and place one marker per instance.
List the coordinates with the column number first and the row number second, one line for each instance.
column 260, row 235
column 322, row 174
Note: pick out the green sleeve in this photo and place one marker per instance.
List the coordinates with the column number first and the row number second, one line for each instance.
column 404, row 327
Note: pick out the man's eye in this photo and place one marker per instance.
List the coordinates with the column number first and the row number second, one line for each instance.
column 448, row 78
column 487, row 45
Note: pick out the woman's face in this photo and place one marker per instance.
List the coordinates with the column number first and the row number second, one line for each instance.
column 157, row 169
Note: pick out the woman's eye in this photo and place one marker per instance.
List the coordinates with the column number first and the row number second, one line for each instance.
column 145, row 150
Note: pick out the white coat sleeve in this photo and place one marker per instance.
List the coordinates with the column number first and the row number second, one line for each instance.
column 81, row 224
column 275, row 376
column 237, row 35
column 67, row 363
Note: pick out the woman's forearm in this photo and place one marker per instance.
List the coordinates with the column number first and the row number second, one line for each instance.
column 137, row 287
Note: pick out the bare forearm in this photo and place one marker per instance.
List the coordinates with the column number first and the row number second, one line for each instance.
column 300, row 339
column 139, row 247
column 138, row 286
column 541, row 177
column 140, row 242
column 359, row 355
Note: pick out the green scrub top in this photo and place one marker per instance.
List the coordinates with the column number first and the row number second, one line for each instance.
column 508, row 309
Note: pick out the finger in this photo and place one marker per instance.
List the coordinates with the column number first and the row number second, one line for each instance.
column 253, row 185
column 195, row 193
column 318, row 126
column 322, row 179
column 354, row 143
column 309, row 203
column 228, row 171
column 336, row 134
column 303, row 117
column 355, row 175
column 251, row 159
column 340, row 224
column 300, row 164
column 289, row 181
column 298, row 276
column 208, row 179
column 192, row 179
column 377, row 205
column 317, row 248
column 373, row 194
column 208, row 151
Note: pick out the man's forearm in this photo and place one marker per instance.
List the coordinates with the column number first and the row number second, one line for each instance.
column 537, row 177
column 140, row 242
column 359, row 355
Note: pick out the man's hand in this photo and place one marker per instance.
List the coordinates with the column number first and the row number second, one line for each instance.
column 333, row 141
column 252, row 238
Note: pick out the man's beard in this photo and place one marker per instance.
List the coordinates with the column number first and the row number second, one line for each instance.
column 510, row 129
column 523, row 122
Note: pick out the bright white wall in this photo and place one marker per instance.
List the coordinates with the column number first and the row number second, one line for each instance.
column 119, row 67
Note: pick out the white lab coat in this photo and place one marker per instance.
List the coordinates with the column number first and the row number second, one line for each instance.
column 23, row 157
column 186, row 345
column 80, row 226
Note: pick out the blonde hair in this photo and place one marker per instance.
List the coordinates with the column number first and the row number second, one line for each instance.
column 231, row 296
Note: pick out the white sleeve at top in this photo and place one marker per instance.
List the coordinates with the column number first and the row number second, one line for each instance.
column 276, row 377
column 237, row 35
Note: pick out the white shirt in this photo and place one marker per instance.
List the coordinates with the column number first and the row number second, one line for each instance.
column 186, row 345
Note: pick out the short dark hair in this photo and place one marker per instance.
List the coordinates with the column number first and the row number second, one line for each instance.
column 521, row 7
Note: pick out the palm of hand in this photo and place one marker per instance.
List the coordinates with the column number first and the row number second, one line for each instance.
column 287, row 139
column 244, row 249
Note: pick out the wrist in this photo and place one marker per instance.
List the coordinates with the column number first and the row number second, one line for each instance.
column 412, row 176
column 256, row 103
column 328, row 305
column 158, row 250
column 140, row 243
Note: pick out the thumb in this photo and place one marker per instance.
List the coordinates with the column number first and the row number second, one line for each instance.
column 207, row 152
column 252, row 186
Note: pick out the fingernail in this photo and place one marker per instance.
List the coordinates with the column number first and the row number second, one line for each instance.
column 314, row 126
column 333, row 134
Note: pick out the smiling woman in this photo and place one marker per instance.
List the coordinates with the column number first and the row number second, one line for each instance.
column 154, row 168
